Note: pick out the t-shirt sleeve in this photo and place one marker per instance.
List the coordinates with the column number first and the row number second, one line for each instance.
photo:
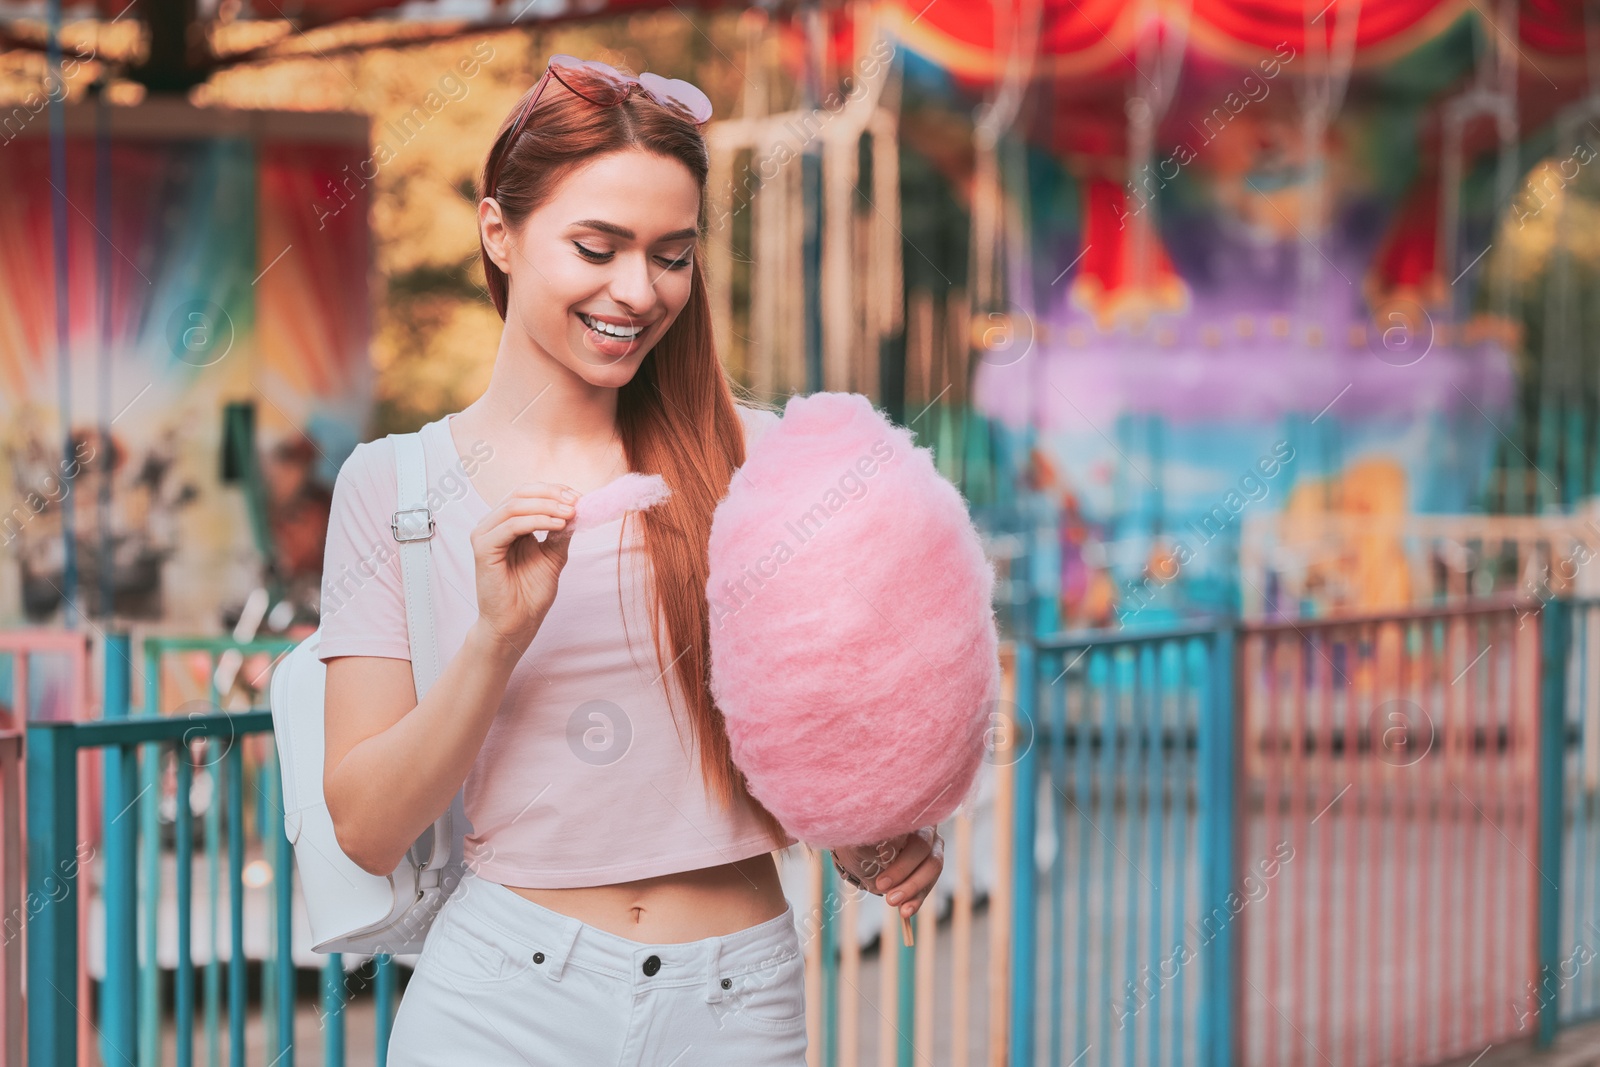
column 363, row 597
column 757, row 421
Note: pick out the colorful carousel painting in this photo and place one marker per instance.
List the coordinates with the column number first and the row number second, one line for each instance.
column 212, row 354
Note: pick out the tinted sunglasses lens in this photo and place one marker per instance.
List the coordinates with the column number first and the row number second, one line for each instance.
column 674, row 92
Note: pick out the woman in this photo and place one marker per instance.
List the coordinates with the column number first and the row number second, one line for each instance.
column 622, row 904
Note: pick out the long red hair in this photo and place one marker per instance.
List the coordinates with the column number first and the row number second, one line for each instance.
column 676, row 416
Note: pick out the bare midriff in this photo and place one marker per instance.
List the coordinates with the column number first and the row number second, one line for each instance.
column 673, row 908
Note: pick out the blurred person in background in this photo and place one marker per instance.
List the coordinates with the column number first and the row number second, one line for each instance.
column 297, row 514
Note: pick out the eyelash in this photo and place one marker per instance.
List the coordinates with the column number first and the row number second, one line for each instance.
column 602, row 257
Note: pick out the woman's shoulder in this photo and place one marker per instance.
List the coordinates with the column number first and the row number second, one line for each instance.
column 375, row 459
column 369, row 463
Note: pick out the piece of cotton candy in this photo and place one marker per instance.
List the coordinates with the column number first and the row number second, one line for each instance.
column 627, row 492
column 854, row 651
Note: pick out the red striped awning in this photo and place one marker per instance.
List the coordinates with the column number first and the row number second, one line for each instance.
column 1076, row 37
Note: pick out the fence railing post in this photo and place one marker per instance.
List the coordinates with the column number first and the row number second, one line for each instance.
column 828, row 940
column 1039, row 614
column 1219, row 974
column 118, row 1008
column 277, row 846
column 1555, row 642
column 52, row 900
column 1024, row 925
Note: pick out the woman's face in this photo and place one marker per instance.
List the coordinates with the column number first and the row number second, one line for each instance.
column 602, row 268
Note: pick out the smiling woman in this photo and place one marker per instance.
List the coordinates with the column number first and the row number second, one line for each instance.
column 621, row 901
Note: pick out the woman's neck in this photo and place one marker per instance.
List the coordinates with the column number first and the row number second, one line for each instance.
column 549, row 412
column 547, row 421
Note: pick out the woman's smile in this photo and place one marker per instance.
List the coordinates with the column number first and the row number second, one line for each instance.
column 610, row 336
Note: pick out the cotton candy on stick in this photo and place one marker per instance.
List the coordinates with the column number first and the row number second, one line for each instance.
column 854, row 653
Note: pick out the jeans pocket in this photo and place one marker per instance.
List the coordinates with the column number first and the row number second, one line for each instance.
column 461, row 950
column 770, row 996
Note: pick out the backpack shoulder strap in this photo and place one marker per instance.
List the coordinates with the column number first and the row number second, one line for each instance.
column 413, row 528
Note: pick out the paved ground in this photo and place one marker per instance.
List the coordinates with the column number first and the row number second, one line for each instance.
column 1576, row 1047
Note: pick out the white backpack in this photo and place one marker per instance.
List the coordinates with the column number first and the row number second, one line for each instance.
column 350, row 909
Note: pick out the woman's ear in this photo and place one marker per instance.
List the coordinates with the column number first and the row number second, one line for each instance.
column 496, row 236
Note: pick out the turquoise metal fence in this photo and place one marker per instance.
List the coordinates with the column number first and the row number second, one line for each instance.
column 1569, row 942
column 1280, row 843
column 1129, row 778
column 138, row 840
column 1434, row 780
column 53, row 756
column 12, row 915
column 148, row 758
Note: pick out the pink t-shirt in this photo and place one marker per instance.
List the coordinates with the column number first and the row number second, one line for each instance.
column 584, row 778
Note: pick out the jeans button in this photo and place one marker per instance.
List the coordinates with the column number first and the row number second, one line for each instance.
column 538, row 957
column 652, row 964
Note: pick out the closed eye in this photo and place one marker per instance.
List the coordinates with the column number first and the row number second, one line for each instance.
column 590, row 254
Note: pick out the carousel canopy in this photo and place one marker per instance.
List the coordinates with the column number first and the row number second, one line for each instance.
column 1076, row 38
column 1090, row 38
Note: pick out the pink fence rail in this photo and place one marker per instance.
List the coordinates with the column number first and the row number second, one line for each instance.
column 1388, row 776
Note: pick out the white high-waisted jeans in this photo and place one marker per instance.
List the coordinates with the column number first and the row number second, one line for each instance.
column 504, row 982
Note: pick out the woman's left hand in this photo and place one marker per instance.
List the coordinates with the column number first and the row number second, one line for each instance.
column 902, row 869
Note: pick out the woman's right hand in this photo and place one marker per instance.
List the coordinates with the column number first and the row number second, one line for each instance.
column 516, row 572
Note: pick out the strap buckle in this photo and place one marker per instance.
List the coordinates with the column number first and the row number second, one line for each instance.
column 413, row 525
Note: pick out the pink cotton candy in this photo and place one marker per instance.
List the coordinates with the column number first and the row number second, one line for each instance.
column 627, row 492
column 854, row 652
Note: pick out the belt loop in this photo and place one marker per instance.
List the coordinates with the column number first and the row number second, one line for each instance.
column 713, row 970
column 564, row 942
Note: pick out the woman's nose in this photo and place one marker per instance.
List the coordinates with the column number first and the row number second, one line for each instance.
column 634, row 284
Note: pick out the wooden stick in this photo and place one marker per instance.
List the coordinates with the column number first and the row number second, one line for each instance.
column 905, row 931
column 925, row 968
column 888, row 991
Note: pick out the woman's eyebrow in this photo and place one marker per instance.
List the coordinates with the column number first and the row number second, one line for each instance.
column 627, row 234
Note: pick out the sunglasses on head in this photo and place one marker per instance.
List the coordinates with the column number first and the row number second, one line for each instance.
column 605, row 85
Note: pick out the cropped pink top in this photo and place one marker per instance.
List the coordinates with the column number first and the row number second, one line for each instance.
column 584, row 778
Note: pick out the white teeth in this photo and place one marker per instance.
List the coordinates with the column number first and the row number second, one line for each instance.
column 623, row 332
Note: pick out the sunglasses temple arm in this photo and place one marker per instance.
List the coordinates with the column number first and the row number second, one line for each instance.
column 516, row 131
